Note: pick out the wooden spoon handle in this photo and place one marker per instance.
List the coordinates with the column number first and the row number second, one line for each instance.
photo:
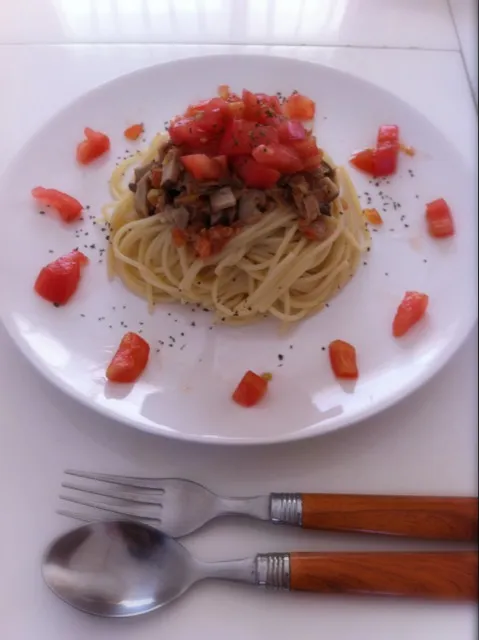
column 434, row 518
column 444, row 575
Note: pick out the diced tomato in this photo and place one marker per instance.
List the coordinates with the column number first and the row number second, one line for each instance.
column 439, row 219
column 250, row 390
column 241, row 137
column 236, row 108
column 381, row 161
column 210, row 115
column 312, row 162
column 385, row 160
column 155, row 177
column 179, row 236
column 388, row 135
column 187, row 132
column 387, row 150
column 219, row 236
column 203, row 168
column 209, row 147
column 373, row 216
column 364, row 160
column 130, row 360
column 299, row 107
column 95, row 145
column 235, row 104
column 342, row 356
column 306, row 148
column 68, row 207
column 236, row 138
column 279, row 157
column 256, row 175
column 133, row 132
column 203, row 246
column 253, row 109
column 412, row 308
column 317, row 231
column 291, row 130
column 261, row 108
column 58, row 281
column 210, row 242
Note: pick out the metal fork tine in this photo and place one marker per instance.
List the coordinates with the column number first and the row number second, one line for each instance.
column 126, row 481
column 87, row 518
column 78, row 516
column 106, row 507
column 111, row 493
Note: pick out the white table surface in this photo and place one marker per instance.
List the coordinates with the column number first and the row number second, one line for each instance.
column 52, row 51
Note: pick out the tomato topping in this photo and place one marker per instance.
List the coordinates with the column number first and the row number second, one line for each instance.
column 439, row 219
column 256, row 175
column 241, row 137
column 236, row 109
column 212, row 241
column 381, row 161
column 203, row 168
column 291, row 131
column 342, row 356
column 364, row 160
column 412, row 308
column 95, row 145
column 210, row 115
column 388, row 135
column 385, row 160
column 203, row 247
column 279, row 157
column 250, row 390
column 155, row 177
column 313, row 162
column 254, row 126
column 373, row 216
column 259, row 107
column 58, row 281
column 130, row 360
column 133, row 132
column 306, row 148
column 298, row 107
column 179, row 236
column 68, row 207
column 187, row 132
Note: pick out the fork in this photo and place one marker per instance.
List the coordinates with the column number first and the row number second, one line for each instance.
column 179, row 507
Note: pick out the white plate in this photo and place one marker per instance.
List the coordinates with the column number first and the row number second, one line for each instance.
column 186, row 390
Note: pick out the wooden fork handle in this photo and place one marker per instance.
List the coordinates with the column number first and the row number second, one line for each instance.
column 443, row 576
column 434, row 518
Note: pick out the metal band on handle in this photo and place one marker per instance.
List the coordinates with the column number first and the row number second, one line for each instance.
column 286, row 508
column 272, row 571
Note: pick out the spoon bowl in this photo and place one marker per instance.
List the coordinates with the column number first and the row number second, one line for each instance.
column 117, row 569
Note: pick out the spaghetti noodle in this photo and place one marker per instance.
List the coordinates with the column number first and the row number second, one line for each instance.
column 269, row 268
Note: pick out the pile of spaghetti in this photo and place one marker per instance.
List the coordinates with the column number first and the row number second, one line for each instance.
column 238, row 210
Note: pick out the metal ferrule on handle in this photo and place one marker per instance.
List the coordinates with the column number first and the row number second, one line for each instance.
column 273, row 571
column 286, row 508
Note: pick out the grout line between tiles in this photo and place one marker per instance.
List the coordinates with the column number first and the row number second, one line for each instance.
column 226, row 43
column 461, row 51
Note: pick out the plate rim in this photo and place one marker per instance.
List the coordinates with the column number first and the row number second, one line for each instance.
column 464, row 329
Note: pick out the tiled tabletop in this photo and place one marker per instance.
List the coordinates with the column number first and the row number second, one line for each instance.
column 52, row 51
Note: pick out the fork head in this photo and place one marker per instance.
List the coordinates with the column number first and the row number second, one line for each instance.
column 175, row 506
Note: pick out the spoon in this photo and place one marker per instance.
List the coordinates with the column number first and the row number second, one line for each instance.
column 124, row 568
